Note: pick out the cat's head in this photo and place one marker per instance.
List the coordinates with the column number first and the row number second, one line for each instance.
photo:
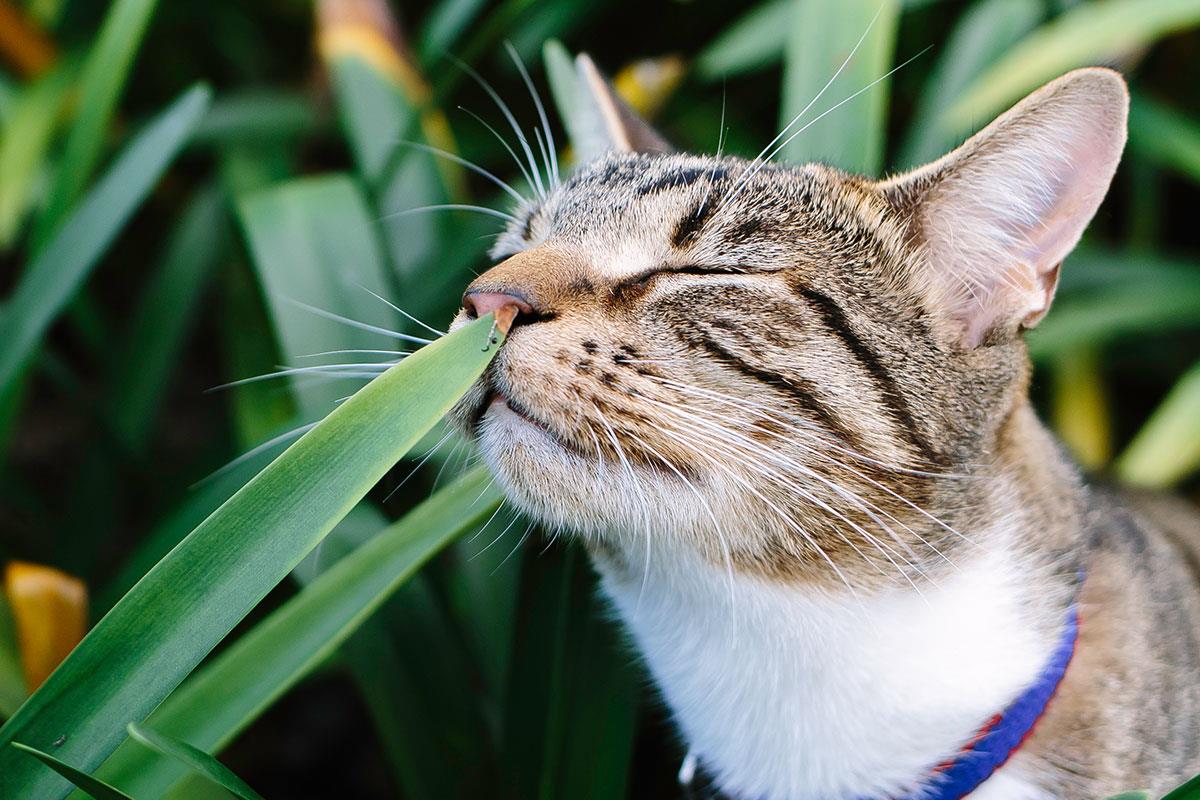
column 780, row 366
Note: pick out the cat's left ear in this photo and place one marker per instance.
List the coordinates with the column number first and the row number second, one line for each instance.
column 609, row 123
column 997, row 216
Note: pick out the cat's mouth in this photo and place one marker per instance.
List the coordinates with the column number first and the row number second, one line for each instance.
column 501, row 403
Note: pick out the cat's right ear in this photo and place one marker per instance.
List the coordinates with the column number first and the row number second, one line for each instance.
column 607, row 123
column 995, row 218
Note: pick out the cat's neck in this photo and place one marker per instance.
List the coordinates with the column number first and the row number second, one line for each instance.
column 784, row 691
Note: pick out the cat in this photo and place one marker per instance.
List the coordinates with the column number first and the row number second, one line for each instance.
column 785, row 410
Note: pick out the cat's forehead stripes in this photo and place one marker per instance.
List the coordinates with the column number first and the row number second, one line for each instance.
column 629, row 213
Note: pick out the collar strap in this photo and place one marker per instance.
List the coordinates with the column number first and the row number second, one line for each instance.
column 987, row 751
column 1004, row 734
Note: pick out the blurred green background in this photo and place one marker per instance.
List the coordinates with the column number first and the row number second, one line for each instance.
column 181, row 181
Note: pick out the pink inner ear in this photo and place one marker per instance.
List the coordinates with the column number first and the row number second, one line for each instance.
column 1006, row 208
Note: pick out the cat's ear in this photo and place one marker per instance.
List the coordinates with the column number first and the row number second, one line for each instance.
column 997, row 216
column 607, row 122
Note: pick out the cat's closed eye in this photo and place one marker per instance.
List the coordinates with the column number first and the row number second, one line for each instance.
column 644, row 279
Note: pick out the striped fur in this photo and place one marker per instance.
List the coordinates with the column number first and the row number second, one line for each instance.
column 798, row 400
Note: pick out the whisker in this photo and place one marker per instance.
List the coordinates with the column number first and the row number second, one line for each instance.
column 491, row 212
column 552, row 166
column 499, row 536
column 428, row 455
column 757, row 466
column 755, row 169
column 512, row 121
column 401, row 311
column 356, row 350
column 294, row 433
column 478, row 170
column 637, row 487
column 504, row 142
column 728, row 555
column 329, row 370
column 520, row 542
column 353, row 323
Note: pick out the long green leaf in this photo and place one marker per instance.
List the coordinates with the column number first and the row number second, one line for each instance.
column 755, row 40
column 191, row 599
column 12, row 678
column 27, row 136
column 1188, row 791
column 1167, row 448
column 163, row 316
column 822, row 36
column 257, row 117
column 1105, row 315
column 982, row 35
column 225, row 696
column 1090, row 33
column 572, row 701
column 103, row 79
column 90, row 786
column 1165, row 136
column 313, row 241
column 194, row 759
column 64, row 263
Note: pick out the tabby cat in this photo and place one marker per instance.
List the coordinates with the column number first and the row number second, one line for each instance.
column 785, row 409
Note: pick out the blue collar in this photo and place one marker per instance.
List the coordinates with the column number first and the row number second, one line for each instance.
column 1004, row 734
column 990, row 748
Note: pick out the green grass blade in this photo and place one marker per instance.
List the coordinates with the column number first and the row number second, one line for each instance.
column 225, row 696
column 1164, row 136
column 1089, row 33
column 572, row 700
column 1105, row 315
column 446, row 22
column 27, row 136
column 12, row 679
column 91, row 786
column 1189, row 791
column 191, row 599
column 415, row 676
column 980, row 37
column 187, row 512
column 64, row 263
column 374, row 111
column 257, row 117
column 103, row 79
column 314, row 241
column 564, row 89
column 149, row 352
column 755, row 40
column 1167, row 448
column 195, row 760
column 821, row 36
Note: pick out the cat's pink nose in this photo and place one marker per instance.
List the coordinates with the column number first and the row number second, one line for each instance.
column 479, row 303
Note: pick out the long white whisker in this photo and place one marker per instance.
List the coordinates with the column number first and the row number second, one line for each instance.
column 504, row 142
column 541, row 110
column 353, row 323
column 490, row 212
column 401, row 311
column 726, row 552
column 352, row 351
column 620, row 451
column 512, row 121
column 331, row 370
column 478, row 170
column 758, row 467
column 294, row 433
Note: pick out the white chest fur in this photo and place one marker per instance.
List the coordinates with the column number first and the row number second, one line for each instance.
column 784, row 693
